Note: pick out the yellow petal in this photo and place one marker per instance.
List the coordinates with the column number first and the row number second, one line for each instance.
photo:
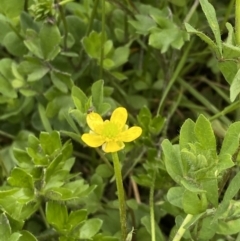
column 92, row 140
column 112, row 146
column 130, row 134
column 95, row 122
column 119, row 117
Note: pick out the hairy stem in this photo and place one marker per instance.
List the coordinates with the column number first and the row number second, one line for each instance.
column 151, row 204
column 121, row 199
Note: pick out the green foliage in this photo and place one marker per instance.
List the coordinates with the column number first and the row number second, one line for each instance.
column 195, row 165
column 61, row 60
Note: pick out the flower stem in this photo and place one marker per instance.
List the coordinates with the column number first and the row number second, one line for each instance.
column 102, row 39
column 237, row 21
column 151, row 204
column 182, row 230
column 121, row 199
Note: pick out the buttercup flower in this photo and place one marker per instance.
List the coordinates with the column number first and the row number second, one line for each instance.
column 110, row 134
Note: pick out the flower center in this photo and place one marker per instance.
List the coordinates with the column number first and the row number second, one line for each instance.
column 110, row 130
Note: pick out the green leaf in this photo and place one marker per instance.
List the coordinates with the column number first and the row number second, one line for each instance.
column 15, row 237
column 231, row 140
column 103, row 170
column 228, row 227
column 27, row 236
column 92, row 44
column 79, row 98
column 156, row 125
column 137, row 101
column 230, row 51
column 208, row 229
column 211, row 186
column 191, row 186
column 56, row 214
column 231, row 34
column 210, row 14
column 79, row 117
column 232, row 188
column 143, row 24
column 193, row 203
column 119, row 76
column 235, row 87
column 50, row 39
column 5, row 228
column 5, row 76
column 90, row 228
column 204, row 133
column 97, row 94
column 175, row 196
column 50, row 142
column 32, row 42
column 172, row 160
column 224, row 162
column 204, row 37
column 187, row 134
column 58, row 80
column 76, row 217
column 228, row 69
column 34, row 68
column 165, row 38
column 144, row 117
column 104, row 108
column 12, row 8
column 230, row 193
column 120, row 56
column 20, row 178
column 14, row 44
column 22, row 157
column 44, row 119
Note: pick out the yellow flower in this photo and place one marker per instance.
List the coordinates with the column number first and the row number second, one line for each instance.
column 110, row 134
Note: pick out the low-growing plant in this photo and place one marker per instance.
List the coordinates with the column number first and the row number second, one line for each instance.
column 144, row 83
